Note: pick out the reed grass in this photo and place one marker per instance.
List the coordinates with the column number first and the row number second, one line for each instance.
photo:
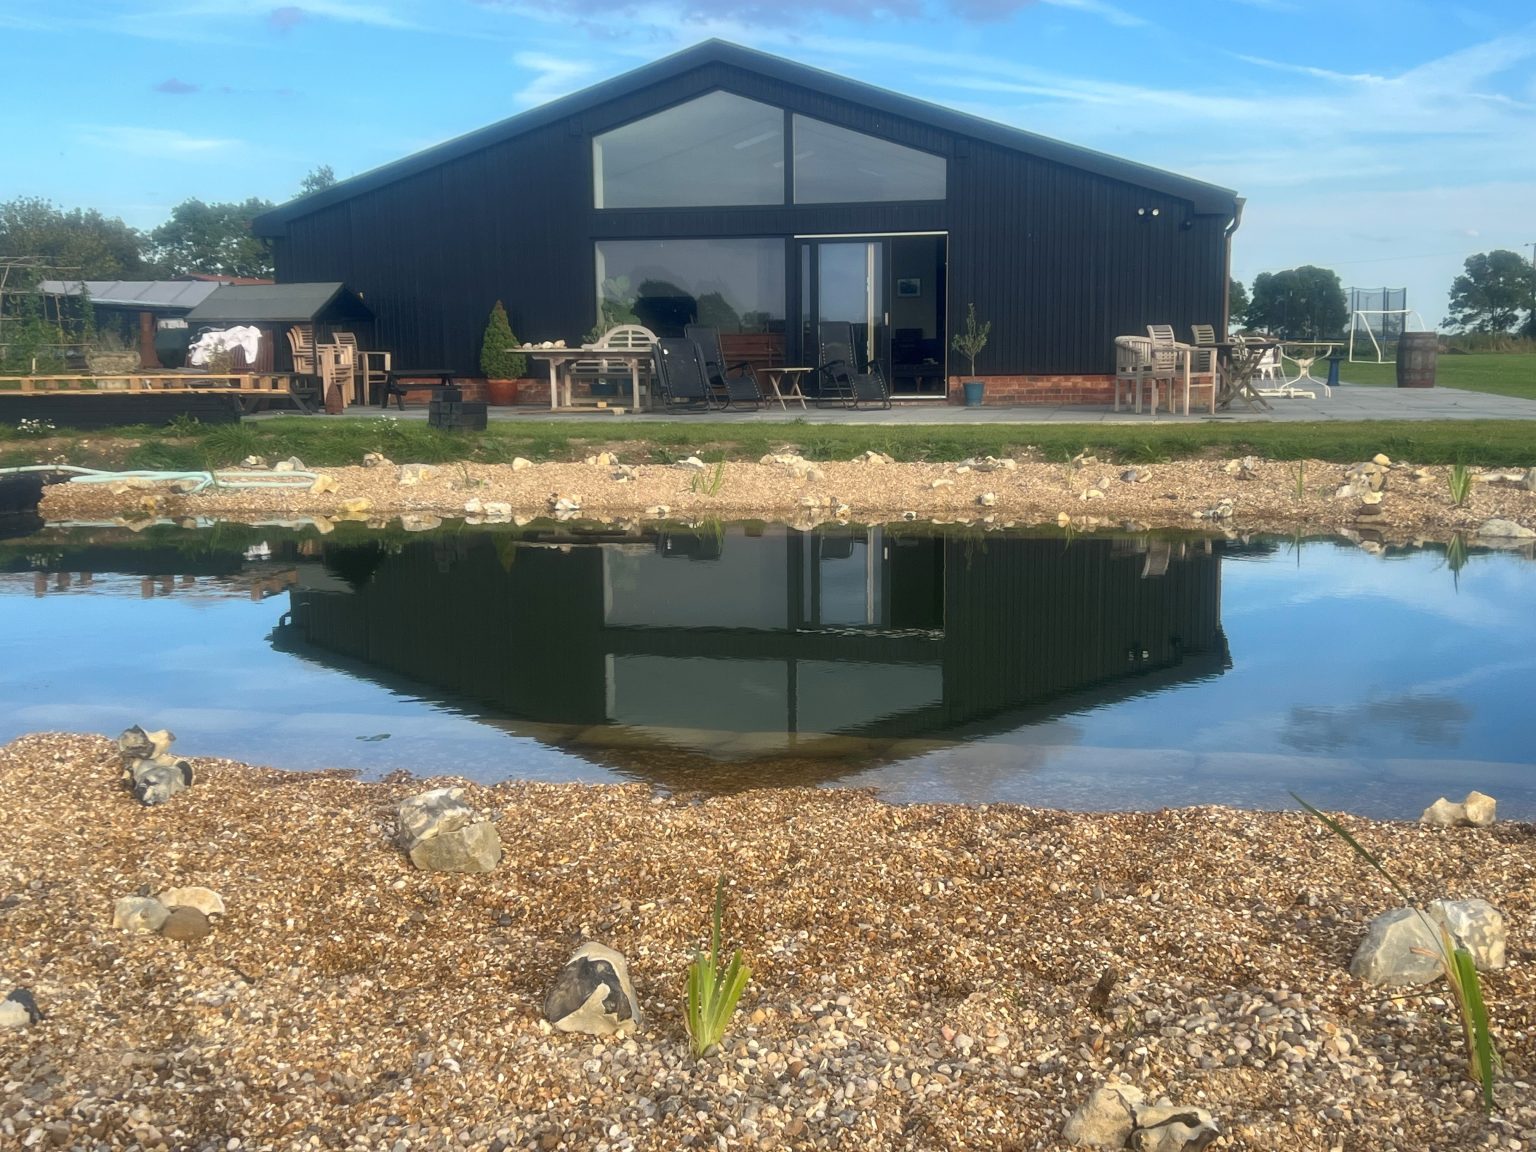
column 713, row 991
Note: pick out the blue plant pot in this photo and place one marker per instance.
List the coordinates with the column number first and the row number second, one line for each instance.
column 975, row 390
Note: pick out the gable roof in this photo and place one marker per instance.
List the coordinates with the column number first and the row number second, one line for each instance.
column 1206, row 198
column 280, row 304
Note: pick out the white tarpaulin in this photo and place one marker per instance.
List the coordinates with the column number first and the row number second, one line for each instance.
column 244, row 336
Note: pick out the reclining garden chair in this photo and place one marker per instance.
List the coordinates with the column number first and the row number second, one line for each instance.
column 840, row 378
column 681, row 379
column 731, row 384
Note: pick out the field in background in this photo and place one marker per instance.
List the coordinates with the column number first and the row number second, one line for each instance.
column 1504, row 374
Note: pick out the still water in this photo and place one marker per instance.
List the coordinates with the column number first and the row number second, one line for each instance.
column 928, row 663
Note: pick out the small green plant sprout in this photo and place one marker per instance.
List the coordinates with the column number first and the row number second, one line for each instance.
column 1456, row 964
column 713, row 992
column 970, row 342
column 1460, row 481
column 1301, row 480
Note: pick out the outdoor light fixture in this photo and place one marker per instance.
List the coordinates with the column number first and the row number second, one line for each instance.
column 1146, row 212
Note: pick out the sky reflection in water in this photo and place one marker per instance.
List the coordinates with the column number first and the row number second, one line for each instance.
column 1362, row 682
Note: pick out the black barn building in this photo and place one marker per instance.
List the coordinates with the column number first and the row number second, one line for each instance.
column 731, row 187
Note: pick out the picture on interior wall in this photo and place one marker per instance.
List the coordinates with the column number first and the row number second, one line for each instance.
column 911, row 286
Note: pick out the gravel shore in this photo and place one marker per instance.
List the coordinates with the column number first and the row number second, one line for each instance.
column 922, row 975
column 1251, row 495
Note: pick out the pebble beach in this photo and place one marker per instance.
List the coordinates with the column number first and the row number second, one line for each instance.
column 923, row 977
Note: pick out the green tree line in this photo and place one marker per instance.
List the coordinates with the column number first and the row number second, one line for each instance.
column 197, row 237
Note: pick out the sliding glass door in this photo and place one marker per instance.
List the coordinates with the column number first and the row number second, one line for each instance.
column 890, row 290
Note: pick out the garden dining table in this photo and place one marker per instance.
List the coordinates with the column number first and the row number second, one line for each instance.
column 1239, row 360
column 562, row 360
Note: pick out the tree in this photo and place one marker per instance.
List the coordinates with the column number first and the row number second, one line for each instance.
column 1237, row 299
column 1305, row 303
column 318, row 178
column 1490, row 295
column 497, row 360
column 78, row 242
column 215, row 239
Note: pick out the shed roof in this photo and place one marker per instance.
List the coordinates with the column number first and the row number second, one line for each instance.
column 1205, row 198
column 326, row 302
column 149, row 295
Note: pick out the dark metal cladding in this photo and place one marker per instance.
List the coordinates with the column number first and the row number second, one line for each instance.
column 1058, row 246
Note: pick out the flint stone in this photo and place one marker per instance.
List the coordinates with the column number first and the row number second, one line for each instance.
column 441, row 833
column 156, row 781
column 137, row 744
column 1106, row 1119
column 205, row 900
column 1505, row 529
column 185, row 924
column 19, row 1009
column 1393, row 951
column 415, row 473
column 593, row 994
column 1165, row 1127
column 1478, row 810
column 139, row 915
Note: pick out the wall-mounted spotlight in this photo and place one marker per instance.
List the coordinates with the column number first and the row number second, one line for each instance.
column 1146, row 213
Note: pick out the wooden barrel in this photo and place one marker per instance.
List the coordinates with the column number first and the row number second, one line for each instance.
column 1416, row 359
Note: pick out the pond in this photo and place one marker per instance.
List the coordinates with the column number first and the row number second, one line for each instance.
column 1090, row 671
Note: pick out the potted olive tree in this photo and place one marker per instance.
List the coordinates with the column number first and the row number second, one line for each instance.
column 501, row 365
column 969, row 344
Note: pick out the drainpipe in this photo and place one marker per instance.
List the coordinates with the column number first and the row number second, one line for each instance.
column 1226, row 289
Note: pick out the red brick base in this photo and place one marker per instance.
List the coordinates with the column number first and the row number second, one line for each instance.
column 1003, row 391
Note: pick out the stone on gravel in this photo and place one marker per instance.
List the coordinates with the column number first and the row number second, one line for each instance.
column 139, row 915
column 593, row 993
column 415, row 473
column 1393, row 952
column 155, row 781
column 376, row 460
column 442, row 833
column 521, row 462
column 1475, row 925
column 1505, row 530
column 1478, row 810
column 323, row 483
column 185, row 924
column 19, row 1009
column 292, row 464
column 254, row 462
column 1165, row 1127
column 1106, row 1119
column 137, row 744
column 205, row 900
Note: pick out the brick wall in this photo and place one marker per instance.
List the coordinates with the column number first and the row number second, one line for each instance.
column 1020, row 390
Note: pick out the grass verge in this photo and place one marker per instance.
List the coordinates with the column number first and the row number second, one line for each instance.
column 321, row 443
column 1503, row 374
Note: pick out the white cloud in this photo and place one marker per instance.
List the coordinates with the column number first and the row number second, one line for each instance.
column 551, row 76
column 153, row 143
column 1108, row 12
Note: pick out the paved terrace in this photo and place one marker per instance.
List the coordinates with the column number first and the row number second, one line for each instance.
column 1348, row 403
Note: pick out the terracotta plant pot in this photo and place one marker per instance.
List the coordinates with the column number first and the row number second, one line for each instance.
column 501, row 392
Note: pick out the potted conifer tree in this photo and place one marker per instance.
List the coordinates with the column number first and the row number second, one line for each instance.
column 501, row 365
column 969, row 344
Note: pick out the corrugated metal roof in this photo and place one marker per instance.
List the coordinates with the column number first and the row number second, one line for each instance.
column 280, row 304
column 1205, row 198
column 151, row 295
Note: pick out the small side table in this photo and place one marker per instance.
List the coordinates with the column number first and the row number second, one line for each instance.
column 778, row 376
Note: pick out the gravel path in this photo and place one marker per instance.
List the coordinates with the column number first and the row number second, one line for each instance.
column 922, row 979
column 1244, row 495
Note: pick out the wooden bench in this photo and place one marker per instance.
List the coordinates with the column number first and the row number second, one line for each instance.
column 399, row 381
column 759, row 349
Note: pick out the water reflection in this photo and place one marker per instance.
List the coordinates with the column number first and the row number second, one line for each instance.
column 746, row 642
column 1098, row 671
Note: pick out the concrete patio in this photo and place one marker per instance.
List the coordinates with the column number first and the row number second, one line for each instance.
column 1348, row 403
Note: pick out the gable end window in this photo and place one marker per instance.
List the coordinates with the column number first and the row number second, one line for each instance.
column 714, row 151
column 839, row 166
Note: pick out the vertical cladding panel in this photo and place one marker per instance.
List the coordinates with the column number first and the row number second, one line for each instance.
column 1061, row 262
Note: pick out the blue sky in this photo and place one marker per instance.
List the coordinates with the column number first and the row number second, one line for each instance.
column 1386, row 141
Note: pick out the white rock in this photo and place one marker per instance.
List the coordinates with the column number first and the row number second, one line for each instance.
column 941, row 482
column 521, row 462
column 323, row 483
column 1505, row 529
column 593, row 994
column 1381, row 459
column 692, row 462
column 658, row 510
column 1165, row 1127
column 376, row 460
column 1475, row 925
column 411, row 474
column 1403, row 946
column 140, row 915
column 498, row 508
column 419, row 521
column 1444, row 813
column 473, row 506
column 1105, row 1120
column 442, row 833
column 987, row 499
column 1481, row 809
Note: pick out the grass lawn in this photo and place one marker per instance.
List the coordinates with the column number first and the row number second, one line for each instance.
column 1505, row 374
column 321, row 443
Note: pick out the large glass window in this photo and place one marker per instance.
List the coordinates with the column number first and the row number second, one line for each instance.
column 733, row 285
column 719, row 149
column 836, row 166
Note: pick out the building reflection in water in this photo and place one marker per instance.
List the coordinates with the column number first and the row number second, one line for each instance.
column 675, row 655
